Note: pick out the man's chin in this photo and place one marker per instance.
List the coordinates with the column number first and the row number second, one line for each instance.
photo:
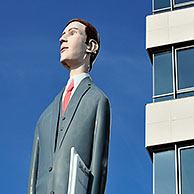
column 65, row 65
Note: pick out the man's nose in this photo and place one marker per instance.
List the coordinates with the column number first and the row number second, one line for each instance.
column 63, row 39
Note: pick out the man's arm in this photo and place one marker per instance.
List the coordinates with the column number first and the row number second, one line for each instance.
column 34, row 164
column 99, row 162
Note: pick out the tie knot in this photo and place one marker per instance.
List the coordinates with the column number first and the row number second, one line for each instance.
column 71, row 86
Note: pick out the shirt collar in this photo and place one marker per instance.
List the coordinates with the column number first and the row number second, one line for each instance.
column 77, row 79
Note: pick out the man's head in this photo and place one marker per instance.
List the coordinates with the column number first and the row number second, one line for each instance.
column 78, row 41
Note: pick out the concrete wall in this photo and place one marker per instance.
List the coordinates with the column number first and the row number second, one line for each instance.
column 170, row 27
column 169, row 121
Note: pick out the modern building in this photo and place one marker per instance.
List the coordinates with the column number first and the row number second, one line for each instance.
column 170, row 118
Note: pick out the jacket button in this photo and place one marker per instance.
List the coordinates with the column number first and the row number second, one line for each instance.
column 50, row 169
column 61, row 129
column 52, row 192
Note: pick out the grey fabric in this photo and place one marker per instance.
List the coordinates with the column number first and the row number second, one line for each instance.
column 86, row 126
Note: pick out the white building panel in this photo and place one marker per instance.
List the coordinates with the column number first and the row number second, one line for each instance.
column 170, row 121
column 170, row 27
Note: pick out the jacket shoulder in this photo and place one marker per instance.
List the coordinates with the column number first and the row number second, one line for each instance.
column 98, row 92
column 54, row 103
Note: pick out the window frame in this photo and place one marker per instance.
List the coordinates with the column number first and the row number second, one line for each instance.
column 179, row 165
column 166, row 94
column 178, row 5
column 185, row 90
column 162, row 9
column 177, row 148
column 175, row 75
column 172, row 6
column 174, row 148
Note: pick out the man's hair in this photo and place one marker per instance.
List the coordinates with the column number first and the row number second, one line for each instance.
column 91, row 33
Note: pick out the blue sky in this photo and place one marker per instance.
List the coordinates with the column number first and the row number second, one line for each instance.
column 31, row 76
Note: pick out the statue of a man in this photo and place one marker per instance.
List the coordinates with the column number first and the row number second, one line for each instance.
column 78, row 117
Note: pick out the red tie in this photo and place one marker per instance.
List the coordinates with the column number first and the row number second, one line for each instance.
column 67, row 96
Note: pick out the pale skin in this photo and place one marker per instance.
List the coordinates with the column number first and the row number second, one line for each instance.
column 75, row 53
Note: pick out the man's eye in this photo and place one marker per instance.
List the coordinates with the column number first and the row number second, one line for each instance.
column 73, row 32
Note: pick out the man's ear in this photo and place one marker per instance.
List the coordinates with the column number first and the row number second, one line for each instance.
column 92, row 46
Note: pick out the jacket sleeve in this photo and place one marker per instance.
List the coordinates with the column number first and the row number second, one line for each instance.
column 100, row 150
column 34, row 164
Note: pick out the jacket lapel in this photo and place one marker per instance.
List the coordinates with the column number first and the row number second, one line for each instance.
column 55, row 118
column 74, row 102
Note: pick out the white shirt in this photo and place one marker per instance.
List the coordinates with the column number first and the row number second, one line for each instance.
column 77, row 79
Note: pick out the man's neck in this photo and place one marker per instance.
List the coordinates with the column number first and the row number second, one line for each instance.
column 78, row 70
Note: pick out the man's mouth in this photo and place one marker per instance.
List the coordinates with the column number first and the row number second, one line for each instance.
column 64, row 48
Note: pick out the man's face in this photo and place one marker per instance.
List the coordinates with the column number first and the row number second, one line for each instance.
column 73, row 47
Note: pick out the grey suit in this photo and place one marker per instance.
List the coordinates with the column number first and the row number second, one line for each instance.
column 86, row 126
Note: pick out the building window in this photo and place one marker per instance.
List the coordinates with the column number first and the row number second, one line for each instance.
column 186, row 169
column 163, row 98
column 164, row 172
column 186, row 94
column 182, row 1
column 161, row 4
column 174, row 171
column 173, row 74
column 170, row 5
column 163, row 71
column 185, row 67
column 163, row 82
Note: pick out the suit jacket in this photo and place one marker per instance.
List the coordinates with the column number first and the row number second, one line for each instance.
column 85, row 126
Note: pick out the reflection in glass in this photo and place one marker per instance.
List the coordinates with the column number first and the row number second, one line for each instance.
column 164, row 172
column 163, row 73
column 185, row 62
column 187, row 170
column 163, row 98
column 160, row 4
column 182, row 1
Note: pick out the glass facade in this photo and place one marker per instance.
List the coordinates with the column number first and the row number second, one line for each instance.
column 182, row 1
column 185, row 63
column 173, row 171
column 186, row 94
column 187, row 170
column 163, row 98
column 163, row 71
column 164, row 172
column 173, row 76
column 161, row 5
